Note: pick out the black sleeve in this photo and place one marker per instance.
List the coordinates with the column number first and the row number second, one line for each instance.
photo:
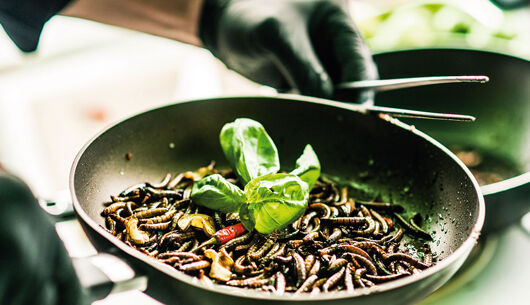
column 35, row 267
column 23, row 20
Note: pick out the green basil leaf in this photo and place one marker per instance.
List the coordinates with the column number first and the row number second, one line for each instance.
column 216, row 193
column 246, row 218
column 308, row 167
column 249, row 149
column 273, row 202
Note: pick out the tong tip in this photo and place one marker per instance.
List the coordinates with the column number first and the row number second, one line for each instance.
column 475, row 79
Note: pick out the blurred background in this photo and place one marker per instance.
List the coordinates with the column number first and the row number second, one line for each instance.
column 86, row 76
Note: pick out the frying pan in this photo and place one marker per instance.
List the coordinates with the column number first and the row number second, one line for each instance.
column 403, row 164
column 501, row 106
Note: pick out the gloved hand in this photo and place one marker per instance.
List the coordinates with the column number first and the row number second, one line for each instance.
column 306, row 45
column 35, row 266
column 23, row 20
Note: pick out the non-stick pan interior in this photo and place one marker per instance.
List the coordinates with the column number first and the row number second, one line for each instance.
column 381, row 159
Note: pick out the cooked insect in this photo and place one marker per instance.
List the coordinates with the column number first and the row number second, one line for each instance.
column 194, row 266
column 334, row 279
column 308, row 283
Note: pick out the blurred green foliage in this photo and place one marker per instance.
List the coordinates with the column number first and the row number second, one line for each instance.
column 460, row 24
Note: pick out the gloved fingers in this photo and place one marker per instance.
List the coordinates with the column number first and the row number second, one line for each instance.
column 340, row 46
column 292, row 54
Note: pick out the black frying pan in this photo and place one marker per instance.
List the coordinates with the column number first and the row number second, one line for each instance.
column 501, row 106
column 405, row 165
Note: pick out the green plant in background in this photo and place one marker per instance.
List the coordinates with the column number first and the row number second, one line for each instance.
column 476, row 24
column 270, row 200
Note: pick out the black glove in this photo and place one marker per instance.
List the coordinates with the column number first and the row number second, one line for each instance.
column 35, row 266
column 307, row 45
column 23, row 20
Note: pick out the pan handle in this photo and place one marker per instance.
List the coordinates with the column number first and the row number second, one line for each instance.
column 100, row 274
column 103, row 274
column 59, row 205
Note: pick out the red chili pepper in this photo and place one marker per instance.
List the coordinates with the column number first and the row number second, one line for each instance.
column 224, row 235
column 230, row 232
column 388, row 221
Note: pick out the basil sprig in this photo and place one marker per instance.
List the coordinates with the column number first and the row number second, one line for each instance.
column 270, row 200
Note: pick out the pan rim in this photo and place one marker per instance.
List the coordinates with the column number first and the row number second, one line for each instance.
column 465, row 246
column 492, row 52
column 506, row 184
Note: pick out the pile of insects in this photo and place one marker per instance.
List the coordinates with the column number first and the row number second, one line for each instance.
column 257, row 227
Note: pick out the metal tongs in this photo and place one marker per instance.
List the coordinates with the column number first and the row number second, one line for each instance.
column 401, row 83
